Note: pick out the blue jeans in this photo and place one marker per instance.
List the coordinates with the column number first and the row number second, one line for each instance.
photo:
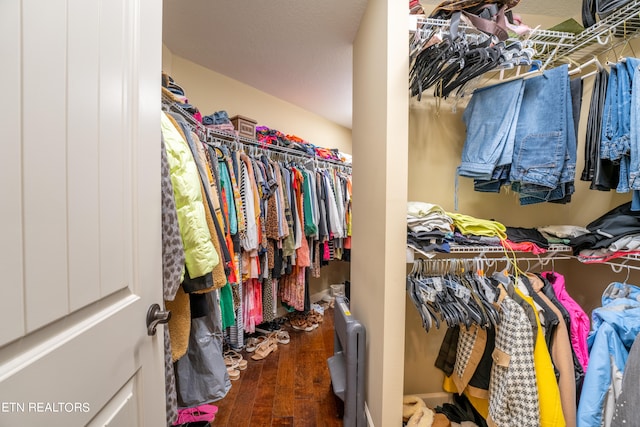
column 499, row 178
column 491, row 119
column 544, row 157
column 612, row 140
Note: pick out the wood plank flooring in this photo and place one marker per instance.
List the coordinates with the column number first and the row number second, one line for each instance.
column 290, row 388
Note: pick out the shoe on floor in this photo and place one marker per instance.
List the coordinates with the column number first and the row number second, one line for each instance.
column 423, row 417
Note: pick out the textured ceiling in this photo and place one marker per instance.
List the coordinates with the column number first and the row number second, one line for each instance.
column 299, row 51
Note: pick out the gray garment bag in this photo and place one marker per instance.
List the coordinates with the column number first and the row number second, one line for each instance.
column 201, row 375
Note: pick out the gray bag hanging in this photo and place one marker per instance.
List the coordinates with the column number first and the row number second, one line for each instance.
column 201, row 375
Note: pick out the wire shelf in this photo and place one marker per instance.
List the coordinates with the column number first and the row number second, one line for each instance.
column 542, row 40
column 556, row 47
column 457, row 249
column 606, row 35
column 225, row 137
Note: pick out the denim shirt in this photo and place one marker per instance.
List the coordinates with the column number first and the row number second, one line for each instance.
column 634, row 136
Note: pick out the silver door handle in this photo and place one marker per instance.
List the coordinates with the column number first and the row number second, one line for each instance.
column 155, row 315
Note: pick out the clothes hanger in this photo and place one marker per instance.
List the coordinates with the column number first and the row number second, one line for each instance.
column 432, row 287
column 478, row 299
column 413, row 295
column 428, row 66
column 423, row 295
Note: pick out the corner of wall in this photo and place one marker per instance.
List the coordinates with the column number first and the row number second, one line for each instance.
column 380, row 134
column 167, row 60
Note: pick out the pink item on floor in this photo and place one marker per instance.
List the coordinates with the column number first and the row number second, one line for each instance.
column 197, row 413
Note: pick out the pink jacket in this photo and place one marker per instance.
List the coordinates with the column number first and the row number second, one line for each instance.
column 580, row 323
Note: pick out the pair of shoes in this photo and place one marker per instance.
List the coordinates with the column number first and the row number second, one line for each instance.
column 315, row 317
column 205, row 413
column 300, row 323
column 265, row 348
column 268, row 327
column 282, row 337
column 235, row 363
column 253, row 342
column 234, row 359
column 234, row 374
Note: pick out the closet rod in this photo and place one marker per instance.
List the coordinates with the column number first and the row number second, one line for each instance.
column 501, row 259
column 169, row 104
column 616, row 267
column 222, row 137
column 541, row 260
column 553, row 248
column 481, row 263
column 228, row 138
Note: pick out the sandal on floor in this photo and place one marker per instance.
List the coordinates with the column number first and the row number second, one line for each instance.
column 234, row 374
column 265, row 348
column 318, row 316
column 234, row 359
column 283, row 337
column 300, row 324
column 312, row 320
column 253, row 342
column 230, row 362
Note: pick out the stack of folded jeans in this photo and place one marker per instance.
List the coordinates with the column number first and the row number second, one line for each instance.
column 522, row 134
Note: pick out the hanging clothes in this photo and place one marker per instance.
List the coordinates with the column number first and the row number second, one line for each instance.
column 201, row 375
column 479, row 360
column 532, row 142
column 200, row 254
column 172, row 271
column 580, row 323
column 270, row 220
column 615, row 327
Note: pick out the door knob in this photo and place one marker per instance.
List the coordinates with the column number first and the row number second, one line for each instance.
column 155, row 315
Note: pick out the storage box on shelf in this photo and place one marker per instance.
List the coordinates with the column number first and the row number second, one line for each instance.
column 245, row 126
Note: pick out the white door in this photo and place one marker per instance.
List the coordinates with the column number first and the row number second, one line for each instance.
column 80, row 243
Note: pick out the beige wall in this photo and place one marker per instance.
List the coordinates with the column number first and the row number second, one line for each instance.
column 167, row 60
column 436, row 135
column 211, row 91
column 380, row 193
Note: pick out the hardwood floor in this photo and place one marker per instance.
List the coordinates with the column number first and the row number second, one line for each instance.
column 291, row 387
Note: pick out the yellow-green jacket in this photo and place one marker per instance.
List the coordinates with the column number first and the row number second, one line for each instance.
column 200, row 255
